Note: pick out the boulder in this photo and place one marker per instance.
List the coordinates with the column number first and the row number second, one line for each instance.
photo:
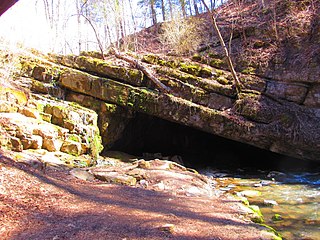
column 71, row 147
column 16, row 144
column 52, row 144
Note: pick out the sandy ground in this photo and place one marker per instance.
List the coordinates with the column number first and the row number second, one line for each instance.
column 55, row 205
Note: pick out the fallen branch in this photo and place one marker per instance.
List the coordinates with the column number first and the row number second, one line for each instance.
column 138, row 65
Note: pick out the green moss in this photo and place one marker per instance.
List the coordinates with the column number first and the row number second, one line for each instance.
column 222, row 80
column 218, row 73
column 257, row 217
column 190, row 68
column 26, row 68
column 40, row 106
column 277, row 217
column 150, row 58
column 196, row 57
column 277, row 236
column 216, row 62
column 205, row 72
column 95, row 147
column 74, row 137
column 121, row 101
column 213, row 55
column 249, row 70
column 111, row 108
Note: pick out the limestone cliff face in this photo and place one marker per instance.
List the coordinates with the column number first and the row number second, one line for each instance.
column 268, row 114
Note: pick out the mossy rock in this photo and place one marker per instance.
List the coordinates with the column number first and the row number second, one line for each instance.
column 257, row 216
column 276, row 235
column 197, row 57
column 222, row 80
column 73, row 137
column 216, row 62
column 93, row 54
column 71, row 147
column 108, row 69
column 277, row 217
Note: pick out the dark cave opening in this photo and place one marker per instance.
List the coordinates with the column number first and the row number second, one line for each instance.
column 198, row 149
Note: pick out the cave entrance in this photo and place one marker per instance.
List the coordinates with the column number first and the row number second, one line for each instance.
column 198, row 149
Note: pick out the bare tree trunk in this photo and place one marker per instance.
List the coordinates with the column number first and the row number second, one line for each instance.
column 135, row 40
column 163, row 9
column 196, row 9
column 153, row 12
column 226, row 52
column 183, row 7
column 171, row 9
column 79, row 25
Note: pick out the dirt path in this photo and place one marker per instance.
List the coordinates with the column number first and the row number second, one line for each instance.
column 56, row 206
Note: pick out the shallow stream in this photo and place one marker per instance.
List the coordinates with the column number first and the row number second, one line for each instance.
column 289, row 202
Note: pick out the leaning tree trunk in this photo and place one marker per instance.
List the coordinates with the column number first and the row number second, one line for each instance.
column 5, row 5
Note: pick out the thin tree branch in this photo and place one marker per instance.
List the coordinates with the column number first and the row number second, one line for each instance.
column 226, row 52
column 96, row 34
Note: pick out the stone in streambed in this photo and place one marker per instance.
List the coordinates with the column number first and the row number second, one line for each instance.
column 277, row 217
column 270, row 202
column 250, row 193
column 256, row 215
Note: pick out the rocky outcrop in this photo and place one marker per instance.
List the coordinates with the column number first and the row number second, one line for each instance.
column 268, row 114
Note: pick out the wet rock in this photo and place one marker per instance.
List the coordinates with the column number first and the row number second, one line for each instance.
column 256, row 215
column 277, row 217
column 270, row 202
column 277, row 175
column 250, row 193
